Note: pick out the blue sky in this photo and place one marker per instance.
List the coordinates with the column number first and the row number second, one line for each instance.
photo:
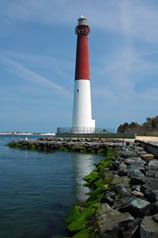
column 37, row 62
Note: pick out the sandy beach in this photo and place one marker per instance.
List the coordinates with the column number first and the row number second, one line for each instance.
column 27, row 133
column 147, row 138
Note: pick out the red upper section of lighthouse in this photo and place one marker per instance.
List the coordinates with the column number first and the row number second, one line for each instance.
column 82, row 59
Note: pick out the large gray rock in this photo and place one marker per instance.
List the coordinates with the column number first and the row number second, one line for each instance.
column 123, row 190
column 121, row 202
column 154, row 208
column 148, row 228
column 132, row 172
column 136, row 206
column 140, row 167
column 120, row 180
column 135, row 161
column 115, row 164
column 153, row 164
column 122, row 166
column 151, row 195
column 111, row 222
column 132, row 229
column 149, row 184
column 108, row 197
column 155, row 218
column 138, row 180
column 127, row 154
column 152, row 173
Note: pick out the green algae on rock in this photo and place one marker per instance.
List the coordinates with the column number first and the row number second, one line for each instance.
column 77, row 221
column 81, row 221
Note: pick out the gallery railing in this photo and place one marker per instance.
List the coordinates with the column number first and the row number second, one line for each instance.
column 84, row 130
column 92, row 133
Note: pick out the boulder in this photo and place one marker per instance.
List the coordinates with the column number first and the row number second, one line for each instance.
column 137, row 161
column 121, row 201
column 136, row 206
column 155, row 217
column 140, row 167
column 132, row 229
column 123, row 190
column 111, row 223
column 151, row 195
column 134, row 173
column 127, row 154
column 152, row 173
column 138, row 180
column 122, row 165
column 108, row 198
column 115, row 164
column 154, row 208
column 149, row 184
column 148, row 228
column 104, row 208
column 120, row 180
column 153, row 164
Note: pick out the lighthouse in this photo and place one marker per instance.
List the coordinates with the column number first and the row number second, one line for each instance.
column 82, row 121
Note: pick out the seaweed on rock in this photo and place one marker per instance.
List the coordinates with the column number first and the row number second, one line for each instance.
column 81, row 221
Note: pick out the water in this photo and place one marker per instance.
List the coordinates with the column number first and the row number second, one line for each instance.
column 37, row 190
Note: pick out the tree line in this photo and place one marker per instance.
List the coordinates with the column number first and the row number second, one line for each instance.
column 150, row 125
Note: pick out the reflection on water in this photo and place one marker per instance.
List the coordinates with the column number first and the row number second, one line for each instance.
column 25, row 154
column 82, row 165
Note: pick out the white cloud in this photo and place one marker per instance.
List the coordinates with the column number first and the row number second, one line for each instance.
column 26, row 74
column 60, row 66
column 136, row 18
column 121, row 73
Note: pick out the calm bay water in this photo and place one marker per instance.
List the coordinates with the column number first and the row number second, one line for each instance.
column 37, row 189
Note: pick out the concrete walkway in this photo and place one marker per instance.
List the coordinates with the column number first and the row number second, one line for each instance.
column 148, row 139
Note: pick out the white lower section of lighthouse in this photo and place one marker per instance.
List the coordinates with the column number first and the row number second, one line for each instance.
column 82, row 121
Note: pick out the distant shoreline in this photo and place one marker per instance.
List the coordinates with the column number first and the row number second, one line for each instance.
column 27, row 133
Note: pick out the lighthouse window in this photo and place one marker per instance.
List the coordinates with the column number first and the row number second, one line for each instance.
column 78, row 90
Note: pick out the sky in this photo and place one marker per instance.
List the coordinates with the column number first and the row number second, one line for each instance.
column 37, row 62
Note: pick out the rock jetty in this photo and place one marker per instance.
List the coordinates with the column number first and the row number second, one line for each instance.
column 124, row 198
column 123, row 202
column 67, row 144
